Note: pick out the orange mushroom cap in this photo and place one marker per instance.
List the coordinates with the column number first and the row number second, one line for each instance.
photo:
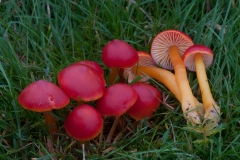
column 149, row 99
column 42, row 96
column 162, row 42
column 81, row 82
column 145, row 59
column 83, row 123
column 118, row 53
column 188, row 56
column 117, row 99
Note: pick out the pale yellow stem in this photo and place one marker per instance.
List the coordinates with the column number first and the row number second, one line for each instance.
column 188, row 102
column 211, row 109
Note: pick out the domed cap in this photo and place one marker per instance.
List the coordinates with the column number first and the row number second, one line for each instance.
column 83, row 123
column 149, row 99
column 117, row 99
column 118, row 53
column 42, row 96
column 188, row 57
column 81, row 82
column 162, row 42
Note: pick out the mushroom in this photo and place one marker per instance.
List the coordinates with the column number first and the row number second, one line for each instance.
column 116, row 101
column 197, row 58
column 144, row 60
column 166, row 50
column 83, row 123
column 149, row 99
column 81, row 82
column 116, row 55
column 43, row 96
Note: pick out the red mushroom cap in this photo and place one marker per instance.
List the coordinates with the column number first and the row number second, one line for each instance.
column 147, row 102
column 188, row 57
column 145, row 59
column 162, row 42
column 81, row 82
column 93, row 65
column 83, row 123
column 117, row 99
column 42, row 96
column 118, row 53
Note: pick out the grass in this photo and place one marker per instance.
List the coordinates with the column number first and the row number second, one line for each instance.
column 39, row 38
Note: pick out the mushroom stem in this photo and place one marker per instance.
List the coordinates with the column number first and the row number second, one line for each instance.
column 113, row 75
column 110, row 134
column 83, row 151
column 188, row 102
column 50, row 121
column 165, row 77
column 212, row 110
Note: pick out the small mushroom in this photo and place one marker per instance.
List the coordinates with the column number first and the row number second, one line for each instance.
column 117, row 55
column 116, row 101
column 83, row 124
column 197, row 58
column 149, row 99
column 144, row 60
column 81, row 82
column 166, row 50
column 43, row 96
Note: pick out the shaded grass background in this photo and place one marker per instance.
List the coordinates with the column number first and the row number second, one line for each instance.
column 39, row 38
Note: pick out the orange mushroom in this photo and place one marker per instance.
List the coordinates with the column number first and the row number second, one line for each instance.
column 197, row 58
column 144, row 60
column 166, row 50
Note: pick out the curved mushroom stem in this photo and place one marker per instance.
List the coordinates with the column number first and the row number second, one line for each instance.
column 165, row 77
column 212, row 110
column 114, row 72
column 50, row 121
column 188, row 102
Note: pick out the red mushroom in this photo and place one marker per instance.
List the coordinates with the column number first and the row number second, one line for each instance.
column 149, row 99
column 116, row 55
column 166, row 50
column 197, row 58
column 43, row 96
column 83, row 124
column 117, row 99
column 81, row 82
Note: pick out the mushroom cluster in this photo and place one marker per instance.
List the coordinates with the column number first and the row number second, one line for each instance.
column 128, row 90
column 174, row 50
